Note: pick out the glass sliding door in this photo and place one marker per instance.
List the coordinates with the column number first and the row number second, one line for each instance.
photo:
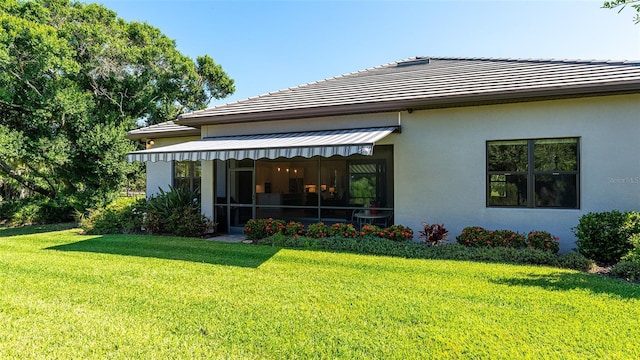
column 235, row 194
column 241, row 198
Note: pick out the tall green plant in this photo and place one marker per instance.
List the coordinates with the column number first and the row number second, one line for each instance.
column 604, row 236
column 176, row 211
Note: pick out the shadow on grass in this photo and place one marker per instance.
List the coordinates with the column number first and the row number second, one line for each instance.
column 576, row 281
column 172, row 248
column 34, row 229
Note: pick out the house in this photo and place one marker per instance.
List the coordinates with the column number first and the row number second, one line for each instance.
column 499, row 143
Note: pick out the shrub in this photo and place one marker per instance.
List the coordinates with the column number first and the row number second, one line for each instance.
column 176, row 211
column 628, row 269
column 343, row 230
column 397, row 233
column 35, row 210
column 604, row 236
column 294, row 228
column 543, row 240
column 409, row 249
column 576, row 261
column 634, row 253
column 318, row 230
column 476, row 236
column 473, row 236
column 256, row 229
column 187, row 221
column 433, row 234
column 507, row 238
column 369, row 230
column 123, row 216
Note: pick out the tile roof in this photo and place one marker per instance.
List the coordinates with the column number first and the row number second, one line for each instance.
column 430, row 82
column 165, row 129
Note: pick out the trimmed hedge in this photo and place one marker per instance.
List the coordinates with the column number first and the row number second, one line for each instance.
column 256, row 229
column 414, row 250
column 476, row 236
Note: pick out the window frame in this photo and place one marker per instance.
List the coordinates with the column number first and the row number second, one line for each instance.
column 531, row 174
column 194, row 181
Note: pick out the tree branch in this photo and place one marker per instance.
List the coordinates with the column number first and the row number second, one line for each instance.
column 7, row 170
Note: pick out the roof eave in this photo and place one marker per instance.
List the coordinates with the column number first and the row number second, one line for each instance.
column 133, row 135
column 511, row 96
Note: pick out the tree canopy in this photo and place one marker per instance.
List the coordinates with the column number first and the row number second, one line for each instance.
column 621, row 4
column 73, row 79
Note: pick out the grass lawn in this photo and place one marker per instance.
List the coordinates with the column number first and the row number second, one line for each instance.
column 68, row 296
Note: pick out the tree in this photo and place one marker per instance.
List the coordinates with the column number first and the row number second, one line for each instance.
column 73, row 79
column 635, row 4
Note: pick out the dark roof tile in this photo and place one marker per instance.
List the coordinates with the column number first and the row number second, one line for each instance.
column 423, row 82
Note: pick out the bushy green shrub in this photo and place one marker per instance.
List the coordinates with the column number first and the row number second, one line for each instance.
column 473, row 236
column 25, row 212
column 634, row 253
column 629, row 265
column 123, row 216
column 176, row 211
column 627, row 269
column 256, row 229
column 35, row 210
column 410, row 249
column 397, row 233
column 604, row 236
column 476, row 236
column 294, row 228
column 318, row 230
column 574, row 260
column 369, row 230
column 343, row 230
column 507, row 238
column 543, row 240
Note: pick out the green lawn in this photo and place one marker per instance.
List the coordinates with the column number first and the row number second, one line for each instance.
column 68, row 296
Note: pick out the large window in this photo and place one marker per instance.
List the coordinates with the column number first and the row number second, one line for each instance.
column 186, row 174
column 541, row 173
column 330, row 189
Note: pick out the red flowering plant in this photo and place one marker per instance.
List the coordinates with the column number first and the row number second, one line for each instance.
column 543, row 240
column 397, row 233
column 473, row 236
column 507, row 238
column 343, row 230
column 294, row 229
column 433, row 234
column 369, row 230
column 318, row 230
column 256, row 229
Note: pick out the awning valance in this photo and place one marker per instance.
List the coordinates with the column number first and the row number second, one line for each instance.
column 269, row 146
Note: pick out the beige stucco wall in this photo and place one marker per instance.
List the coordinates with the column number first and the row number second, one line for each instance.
column 440, row 159
column 314, row 124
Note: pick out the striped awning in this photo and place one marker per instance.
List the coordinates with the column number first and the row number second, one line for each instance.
column 269, row 146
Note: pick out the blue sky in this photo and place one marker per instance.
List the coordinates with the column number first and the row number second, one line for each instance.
column 271, row 45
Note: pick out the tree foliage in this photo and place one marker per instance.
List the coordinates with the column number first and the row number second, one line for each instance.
column 73, row 79
column 621, row 4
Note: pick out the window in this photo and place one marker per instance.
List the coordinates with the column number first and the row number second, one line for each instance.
column 186, row 174
column 320, row 188
column 540, row 173
column 366, row 183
